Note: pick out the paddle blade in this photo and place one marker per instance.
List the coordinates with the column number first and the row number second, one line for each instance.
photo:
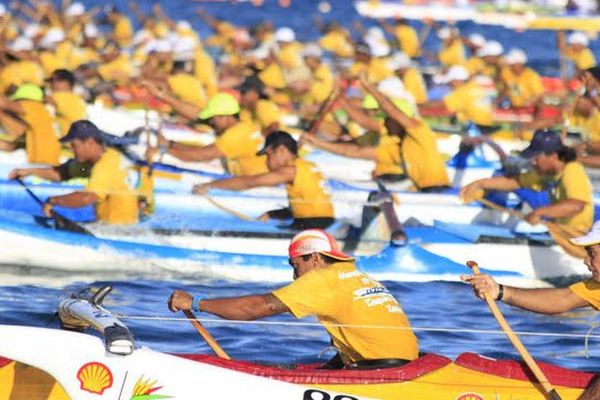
column 65, row 224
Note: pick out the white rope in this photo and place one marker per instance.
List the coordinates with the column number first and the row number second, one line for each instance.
column 586, row 335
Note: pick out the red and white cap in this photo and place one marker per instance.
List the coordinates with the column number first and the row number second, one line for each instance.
column 316, row 241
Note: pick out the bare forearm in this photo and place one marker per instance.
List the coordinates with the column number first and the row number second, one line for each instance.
column 499, row 183
column 50, row 174
column 566, row 208
column 74, row 200
column 360, row 117
column 186, row 152
column 591, row 161
column 187, row 110
column 236, row 183
column 346, row 150
column 545, row 301
column 244, row 308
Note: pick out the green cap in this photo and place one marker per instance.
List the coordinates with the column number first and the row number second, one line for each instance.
column 220, row 104
column 28, row 91
column 405, row 106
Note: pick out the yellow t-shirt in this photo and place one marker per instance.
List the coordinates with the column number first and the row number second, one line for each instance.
column 123, row 31
column 379, row 69
column 424, row 163
column 475, row 66
column 322, row 85
column 408, row 40
column 572, row 183
column 239, row 144
column 415, row 84
column 188, row 88
column 340, row 294
column 452, row 54
column 583, row 59
column 590, row 125
column 109, row 180
column 119, row 69
column 205, row 71
column 272, row 76
column 523, row 88
column 18, row 72
column 70, row 107
column 51, row 62
column 289, row 55
column 265, row 114
column 307, row 195
column 337, row 42
column 388, row 156
column 41, row 141
column 470, row 103
column 82, row 56
column 589, row 291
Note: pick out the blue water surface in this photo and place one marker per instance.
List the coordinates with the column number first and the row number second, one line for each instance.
column 437, row 305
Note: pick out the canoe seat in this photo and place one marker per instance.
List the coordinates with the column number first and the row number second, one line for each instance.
column 510, row 369
column 310, row 374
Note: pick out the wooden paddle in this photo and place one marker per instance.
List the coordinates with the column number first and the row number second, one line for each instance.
column 61, row 222
column 229, row 210
column 514, row 339
column 325, row 108
column 560, row 233
column 206, row 335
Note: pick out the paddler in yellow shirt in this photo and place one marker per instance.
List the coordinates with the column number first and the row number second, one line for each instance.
column 556, row 170
column 407, row 147
column 521, row 85
column 336, row 40
column 47, row 56
column 237, row 141
column 24, row 115
column 406, row 36
column 474, row 64
column 467, row 100
column 69, row 106
column 183, row 84
column 414, row 83
column 257, row 107
column 122, row 29
column 575, row 48
column 377, row 68
column 452, row 51
column 491, row 54
column 360, row 315
column 110, row 189
column 310, row 204
column 22, row 66
column 321, row 82
column 115, row 65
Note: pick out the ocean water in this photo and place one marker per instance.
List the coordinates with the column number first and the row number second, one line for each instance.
column 447, row 318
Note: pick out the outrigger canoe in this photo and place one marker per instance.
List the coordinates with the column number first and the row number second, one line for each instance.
column 53, row 364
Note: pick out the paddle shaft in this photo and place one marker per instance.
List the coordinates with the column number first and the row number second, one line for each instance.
column 206, row 335
column 60, row 220
column 228, row 210
column 514, row 339
column 557, row 231
column 322, row 113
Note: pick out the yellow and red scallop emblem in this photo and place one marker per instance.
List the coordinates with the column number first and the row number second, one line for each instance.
column 94, row 377
column 469, row 396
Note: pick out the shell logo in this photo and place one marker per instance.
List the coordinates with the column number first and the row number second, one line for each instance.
column 469, row 396
column 94, row 377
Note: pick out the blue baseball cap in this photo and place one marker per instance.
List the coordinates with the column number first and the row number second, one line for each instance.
column 544, row 141
column 82, row 129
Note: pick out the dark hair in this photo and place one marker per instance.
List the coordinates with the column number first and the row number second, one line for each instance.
column 595, row 72
column 328, row 260
column 567, row 154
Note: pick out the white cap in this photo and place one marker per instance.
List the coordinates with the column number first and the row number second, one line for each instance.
column 379, row 49
column 374, row 32
column 142, row 36
column 52, row 37
column 91, row 30
column 75, row 10
column 477, row 40
column 392, row 87
column 491, row 49
column 590, row 239
column 456, row 73
column 2, row 10
column 515, row 56
column 32, row 30
column 285, row 35
column 183, row 25
column 21, row 44
column 312, row 50
column 578, row 38
column 184, row 49
column 159, row 46
column 399, row 60
column 446, row 32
